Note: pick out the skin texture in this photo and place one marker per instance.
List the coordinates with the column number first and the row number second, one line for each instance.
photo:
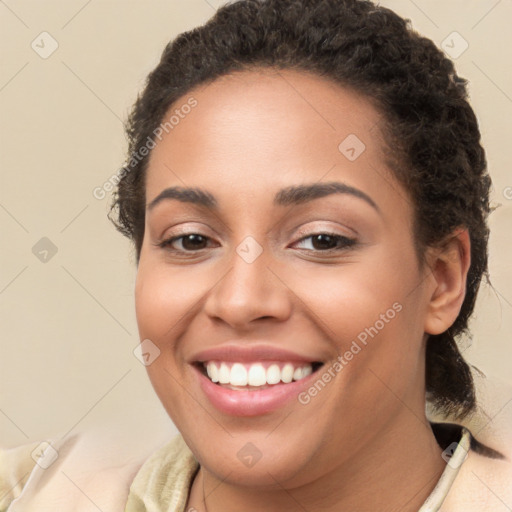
column 356, row 445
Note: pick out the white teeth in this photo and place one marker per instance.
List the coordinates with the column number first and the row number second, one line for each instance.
column 224, row 374
column 273, row 374
column 213, row 372
column 255, row 375
column 297, row 374
column 287, row 373
column 238, row 375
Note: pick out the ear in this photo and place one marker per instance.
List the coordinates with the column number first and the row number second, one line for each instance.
column 449, row 264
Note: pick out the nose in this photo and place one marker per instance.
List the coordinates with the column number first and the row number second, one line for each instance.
column 250, row 292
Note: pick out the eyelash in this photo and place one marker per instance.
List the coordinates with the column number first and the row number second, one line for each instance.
column 346, row 242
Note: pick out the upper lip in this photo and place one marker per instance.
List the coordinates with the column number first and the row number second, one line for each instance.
column 250, row 353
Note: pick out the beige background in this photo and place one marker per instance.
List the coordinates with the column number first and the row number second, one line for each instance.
column 68, row 325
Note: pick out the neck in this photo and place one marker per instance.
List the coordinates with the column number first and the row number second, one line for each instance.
column 397, row 470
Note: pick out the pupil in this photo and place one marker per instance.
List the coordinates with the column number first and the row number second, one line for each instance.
column 324, row 242
column 193, row 242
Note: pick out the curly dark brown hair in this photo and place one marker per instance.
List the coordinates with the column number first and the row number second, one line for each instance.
column 431, row 132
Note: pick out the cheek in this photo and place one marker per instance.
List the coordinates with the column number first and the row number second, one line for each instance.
column 162, row 303
column 163, row 300
column 371, row 311
column 353, row 297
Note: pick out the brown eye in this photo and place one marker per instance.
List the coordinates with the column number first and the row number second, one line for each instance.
column 193, row 242
column 185, row 243
column 325, row 242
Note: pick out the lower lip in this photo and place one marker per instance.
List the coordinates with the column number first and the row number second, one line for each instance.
column 251, row 403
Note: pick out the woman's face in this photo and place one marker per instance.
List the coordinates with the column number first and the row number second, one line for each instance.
column 294, row 253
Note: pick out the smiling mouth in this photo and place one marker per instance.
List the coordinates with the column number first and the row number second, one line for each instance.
column 255, row 376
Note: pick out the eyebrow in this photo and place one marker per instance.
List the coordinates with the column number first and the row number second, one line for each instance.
column 303, row 193
column 185, row 195
column 296, row 194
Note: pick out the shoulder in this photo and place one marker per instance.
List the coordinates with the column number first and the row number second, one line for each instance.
column 16, row 464
column 72, row 472
column 484, row 482
column 165, row 476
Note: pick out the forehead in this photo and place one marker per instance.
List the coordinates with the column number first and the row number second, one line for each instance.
column 263, row 129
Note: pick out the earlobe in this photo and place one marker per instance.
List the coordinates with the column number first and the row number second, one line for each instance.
column 449, row 264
